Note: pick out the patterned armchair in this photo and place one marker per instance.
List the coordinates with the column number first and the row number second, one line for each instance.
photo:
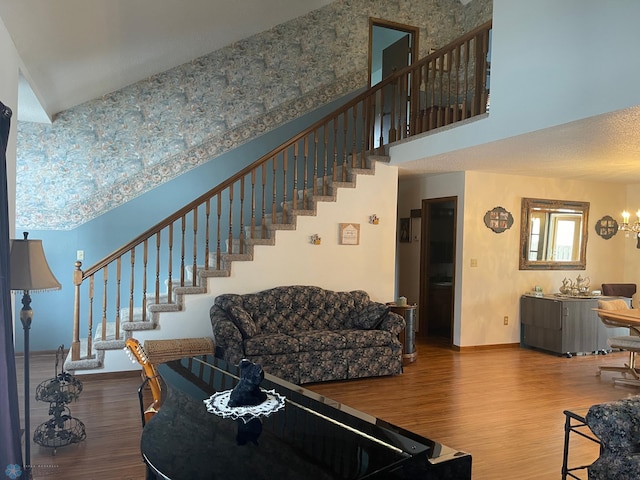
column 617, row 425
column 307, row 334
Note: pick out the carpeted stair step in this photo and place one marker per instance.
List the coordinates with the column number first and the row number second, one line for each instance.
column 95, row 361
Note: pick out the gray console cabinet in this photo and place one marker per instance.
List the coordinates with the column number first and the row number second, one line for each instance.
column 564, row 325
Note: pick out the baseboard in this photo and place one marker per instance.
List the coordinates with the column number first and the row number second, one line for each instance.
column 40, row 353
column 476, row 348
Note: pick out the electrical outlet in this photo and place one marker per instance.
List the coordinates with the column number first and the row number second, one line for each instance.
column 506, row 320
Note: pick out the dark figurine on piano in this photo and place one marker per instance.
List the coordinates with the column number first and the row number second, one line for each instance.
column 247, row 392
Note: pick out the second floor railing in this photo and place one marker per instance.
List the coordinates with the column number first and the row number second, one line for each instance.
column 199, row 239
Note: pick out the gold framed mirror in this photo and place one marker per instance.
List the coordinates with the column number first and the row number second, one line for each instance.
column 553, row 234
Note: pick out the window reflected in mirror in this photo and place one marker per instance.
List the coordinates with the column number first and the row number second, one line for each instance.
column 553, row 234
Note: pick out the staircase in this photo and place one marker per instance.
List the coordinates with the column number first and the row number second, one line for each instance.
column 166, row 319
column 224, row 240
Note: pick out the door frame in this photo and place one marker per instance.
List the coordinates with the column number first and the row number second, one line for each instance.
column 423, row 300
column 410, row 29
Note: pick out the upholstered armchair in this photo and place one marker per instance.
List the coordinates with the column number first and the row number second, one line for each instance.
column 617, row 426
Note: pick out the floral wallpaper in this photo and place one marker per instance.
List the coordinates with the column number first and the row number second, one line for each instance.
column 101, row 154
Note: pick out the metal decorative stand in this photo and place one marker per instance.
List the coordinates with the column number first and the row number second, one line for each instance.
column 61, row 429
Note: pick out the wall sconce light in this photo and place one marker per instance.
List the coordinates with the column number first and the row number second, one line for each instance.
column 634, row 228
column 315, row 239
column 374, row 219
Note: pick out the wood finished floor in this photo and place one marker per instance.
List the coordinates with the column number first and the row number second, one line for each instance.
column 504, row 406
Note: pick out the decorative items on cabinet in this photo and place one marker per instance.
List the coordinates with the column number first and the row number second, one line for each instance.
column 579, row 288
column 498, row 219
column 606, row 227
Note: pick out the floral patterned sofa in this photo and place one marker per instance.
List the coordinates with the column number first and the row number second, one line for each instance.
column 307, row 334
column 617, row 426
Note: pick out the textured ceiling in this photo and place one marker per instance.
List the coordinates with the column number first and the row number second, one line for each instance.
column 600, row 148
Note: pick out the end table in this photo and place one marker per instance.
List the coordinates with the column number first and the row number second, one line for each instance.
column 408, row 336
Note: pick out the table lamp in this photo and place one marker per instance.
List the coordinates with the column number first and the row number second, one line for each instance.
column 30, row 272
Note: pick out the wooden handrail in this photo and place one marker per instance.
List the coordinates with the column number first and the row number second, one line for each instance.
column 442, row 88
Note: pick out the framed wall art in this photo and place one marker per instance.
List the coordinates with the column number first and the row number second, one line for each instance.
column 349, row 234
column 405, row 230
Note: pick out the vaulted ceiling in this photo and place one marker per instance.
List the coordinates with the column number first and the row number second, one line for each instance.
column 77, row 50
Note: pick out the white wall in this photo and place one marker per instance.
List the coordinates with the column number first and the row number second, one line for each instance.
column 493, row 288
column 577, row 55
column 490, row 291
column 411, row 193
column 369, row 266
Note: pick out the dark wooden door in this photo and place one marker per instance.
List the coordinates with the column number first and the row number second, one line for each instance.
column 437, row 267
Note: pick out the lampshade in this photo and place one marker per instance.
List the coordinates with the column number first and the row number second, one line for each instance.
column 29, row 267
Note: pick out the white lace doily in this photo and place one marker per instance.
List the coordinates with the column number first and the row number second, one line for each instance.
column 218, row 404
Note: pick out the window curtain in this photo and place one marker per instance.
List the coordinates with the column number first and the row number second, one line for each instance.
column 10, row 445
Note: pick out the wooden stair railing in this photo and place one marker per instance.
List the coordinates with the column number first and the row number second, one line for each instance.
column 222, row 224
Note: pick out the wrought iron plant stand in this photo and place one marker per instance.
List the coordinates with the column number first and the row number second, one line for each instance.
column 61, row 429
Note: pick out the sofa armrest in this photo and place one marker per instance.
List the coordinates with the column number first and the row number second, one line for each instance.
column 226, row 336
column 393, row 323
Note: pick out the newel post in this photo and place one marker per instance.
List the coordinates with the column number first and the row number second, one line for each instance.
column 77, row 281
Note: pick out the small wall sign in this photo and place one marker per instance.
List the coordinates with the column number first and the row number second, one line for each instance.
column 349, row 234
column 498, row 219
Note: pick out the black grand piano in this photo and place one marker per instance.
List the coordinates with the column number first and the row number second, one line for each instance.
column 311, row 438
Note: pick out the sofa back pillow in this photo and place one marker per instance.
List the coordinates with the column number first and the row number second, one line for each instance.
column 371, row 316
column 243, row 321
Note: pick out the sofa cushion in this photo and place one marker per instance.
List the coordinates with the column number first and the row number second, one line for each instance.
column 271, row 344
column 321, row 366
column 243, row 321
column 371, row 316
column 313, row 340
column 361, row 339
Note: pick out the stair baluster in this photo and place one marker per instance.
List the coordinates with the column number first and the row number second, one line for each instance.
column 446, row 86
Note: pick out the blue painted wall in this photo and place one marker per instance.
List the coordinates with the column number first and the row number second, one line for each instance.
column 53, row 311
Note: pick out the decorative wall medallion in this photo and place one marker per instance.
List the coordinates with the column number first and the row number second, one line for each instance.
column 606, row 227
column 498, row 219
